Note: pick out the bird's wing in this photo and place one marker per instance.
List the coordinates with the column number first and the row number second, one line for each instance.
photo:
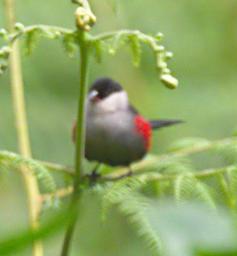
column 157, row 124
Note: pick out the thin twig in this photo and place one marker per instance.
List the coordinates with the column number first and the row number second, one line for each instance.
column 159, row 160
column 58, row 168
column 32, row 190
column 150, row 161
column 139, row 167
column 151, row 176
column 60, row 193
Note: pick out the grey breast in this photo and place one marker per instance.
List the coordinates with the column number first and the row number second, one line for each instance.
column 112, row 139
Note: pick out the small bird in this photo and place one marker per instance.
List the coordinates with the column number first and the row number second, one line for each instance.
column 116, row 134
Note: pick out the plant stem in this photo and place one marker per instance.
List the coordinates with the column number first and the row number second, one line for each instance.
column 80, row 142
column 80, row 138
column 31, row 185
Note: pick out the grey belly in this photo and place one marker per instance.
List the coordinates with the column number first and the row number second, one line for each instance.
column 112, row 139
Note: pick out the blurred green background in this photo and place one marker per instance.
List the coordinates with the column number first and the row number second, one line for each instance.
column 203, row 36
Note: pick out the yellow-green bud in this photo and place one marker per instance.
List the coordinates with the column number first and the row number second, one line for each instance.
column 159, row 36
column 85, row 19
column 169, row 81
column 19, row 26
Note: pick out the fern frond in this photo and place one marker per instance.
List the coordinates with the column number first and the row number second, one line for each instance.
column 42, row 174
column 31, row 34
column 4, row 54
column 187, row 187
column 225, row 190
column 228, row 152
column 135, row 49
column 176, row 165
column 69, row 44
column 232, row 181
column 117, row 191
column 116, row 43
column 134, row 38
column 97, row 46
column 31, row 39
column 130, row 203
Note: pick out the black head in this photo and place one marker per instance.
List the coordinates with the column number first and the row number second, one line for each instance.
column 105, row 87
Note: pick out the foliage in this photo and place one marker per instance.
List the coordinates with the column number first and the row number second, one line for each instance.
column 11, row 160
column 111, row 41
column 191, row 228
column 166, row 229
column 212, row 188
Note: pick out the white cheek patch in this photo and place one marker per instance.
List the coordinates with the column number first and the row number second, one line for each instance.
column 116, row 101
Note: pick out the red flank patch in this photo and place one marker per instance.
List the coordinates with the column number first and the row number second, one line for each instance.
column 144, row 128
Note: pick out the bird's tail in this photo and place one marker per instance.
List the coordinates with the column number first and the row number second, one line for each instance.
column 157, row 124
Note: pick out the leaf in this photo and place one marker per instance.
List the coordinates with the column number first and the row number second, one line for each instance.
column 228, row 152
column 97, row 45
column 69, row 44
column 187, row 187
column 232, row 178
column 31, row 38
column 135, row 49
column 187, row 227
column 4, row 54
column 3, row 66
column 116, row 43
column 119, row 190
column 41, row 173
column 176, row 165
column 131, row 204
column 17, row 242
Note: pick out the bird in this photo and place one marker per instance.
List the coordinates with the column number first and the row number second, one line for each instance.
column 116, row 133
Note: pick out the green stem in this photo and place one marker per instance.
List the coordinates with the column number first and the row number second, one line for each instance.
column 32, row 190
column 138, row 168
column 80, row 138
column 80, row 143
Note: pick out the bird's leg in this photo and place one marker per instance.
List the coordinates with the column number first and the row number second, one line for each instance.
column 130, row 171
column 94, row 174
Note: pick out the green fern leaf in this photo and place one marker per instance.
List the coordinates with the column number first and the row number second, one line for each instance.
column 135, row 49
column 98, row 50
column 187, row 187
column 69, row 44
column 31, row 38
column 232, row 177
column 228, row 152
column 116, row 43
column 131, row 204
column 41, row 173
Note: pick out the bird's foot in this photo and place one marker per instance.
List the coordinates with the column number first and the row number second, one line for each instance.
column 130, row 172
column 94, row 176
